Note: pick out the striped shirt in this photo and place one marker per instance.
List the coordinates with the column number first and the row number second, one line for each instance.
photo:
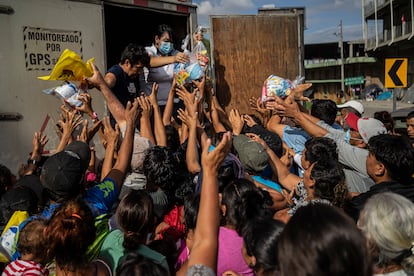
column 27, row 268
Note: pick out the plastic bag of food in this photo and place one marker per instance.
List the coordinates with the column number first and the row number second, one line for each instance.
column 200, row 53
column 278, row 86
column 70, row 67
column 186, row 73
column 67, row 92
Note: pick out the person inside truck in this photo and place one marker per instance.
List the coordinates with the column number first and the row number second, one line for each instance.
column 163, row 74
column 122, row 78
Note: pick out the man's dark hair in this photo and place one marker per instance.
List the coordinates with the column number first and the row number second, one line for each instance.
column 330, row 182
column 320, row 148
column 410, row 115
column 135, row 54
column 158, row 168
column 386, row 118
column 397, row 155
column 325, row 110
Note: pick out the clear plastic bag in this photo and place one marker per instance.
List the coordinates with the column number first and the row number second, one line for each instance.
column 278, row 86
column 186, row 73
column 67, row 92
column 201, row 55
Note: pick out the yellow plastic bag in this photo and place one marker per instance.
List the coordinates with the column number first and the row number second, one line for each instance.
column 10, row 235
column 70, row 67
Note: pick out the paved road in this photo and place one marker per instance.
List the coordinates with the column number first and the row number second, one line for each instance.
column 371, row 107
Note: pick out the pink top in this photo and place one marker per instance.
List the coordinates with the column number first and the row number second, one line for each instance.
column 230, row 255
column 184, row 254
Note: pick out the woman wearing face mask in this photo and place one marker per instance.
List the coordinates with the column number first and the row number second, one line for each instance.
column 163, row 75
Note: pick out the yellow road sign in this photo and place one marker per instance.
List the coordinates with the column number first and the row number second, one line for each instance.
column 396, row 72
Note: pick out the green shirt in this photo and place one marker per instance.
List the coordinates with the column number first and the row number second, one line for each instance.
column 112, row 251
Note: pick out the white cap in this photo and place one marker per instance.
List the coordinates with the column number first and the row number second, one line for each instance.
column 354, row 104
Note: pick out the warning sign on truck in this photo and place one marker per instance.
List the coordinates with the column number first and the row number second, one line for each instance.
column 43, row 47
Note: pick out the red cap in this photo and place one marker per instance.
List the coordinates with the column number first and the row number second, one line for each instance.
column 352, row 120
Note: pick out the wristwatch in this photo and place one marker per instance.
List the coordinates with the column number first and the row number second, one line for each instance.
column 31, row 161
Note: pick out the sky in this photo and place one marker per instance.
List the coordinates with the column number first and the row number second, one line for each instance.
column 322, row 17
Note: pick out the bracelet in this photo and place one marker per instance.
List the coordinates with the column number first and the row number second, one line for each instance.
column 32, row 162
column 94, row 117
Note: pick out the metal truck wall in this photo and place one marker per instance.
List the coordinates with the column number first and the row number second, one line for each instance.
column 249, row 48
column 33, row 34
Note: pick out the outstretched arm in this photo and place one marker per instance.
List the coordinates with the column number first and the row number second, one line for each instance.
column 161, row 61
column 69, row 121
column 111, row 137
column 287, row 179
column 125, row 151
column 169, row 107
column 191, row 155
column 115, row 106
column 145, row 120
column 159, row 128
column 290, row 108
column 204, row 250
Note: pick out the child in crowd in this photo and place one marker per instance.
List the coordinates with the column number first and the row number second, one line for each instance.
column 34, row 251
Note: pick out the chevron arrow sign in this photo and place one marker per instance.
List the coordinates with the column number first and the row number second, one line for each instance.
column 396, row 72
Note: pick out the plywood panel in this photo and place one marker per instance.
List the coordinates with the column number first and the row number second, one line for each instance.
column 249, row 48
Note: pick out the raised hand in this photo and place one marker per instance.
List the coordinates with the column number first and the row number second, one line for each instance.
column 132, row 111
column 189, row 120
column 97, row 79
column 38, row 144
column 70, row 119
column 182, row 58
column 249, row 120
column 145, row 105
column 211, row 161
column 109, row 135
column 153, row 96
column 236, row 121
column 86, row 106
column 87, row 134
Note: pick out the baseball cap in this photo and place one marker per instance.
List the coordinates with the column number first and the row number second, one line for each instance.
column 61, row 175
column 252, row 155
column 351, row 120
column 354, row 104
column 367, row 127
column 82, row 150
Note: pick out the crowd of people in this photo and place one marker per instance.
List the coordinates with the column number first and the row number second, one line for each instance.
column 191, row 189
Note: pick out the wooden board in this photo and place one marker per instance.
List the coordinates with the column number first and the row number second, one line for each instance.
column 249, row 48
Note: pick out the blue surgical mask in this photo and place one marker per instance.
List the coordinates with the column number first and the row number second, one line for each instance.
column 347, row 137
column 166, row 48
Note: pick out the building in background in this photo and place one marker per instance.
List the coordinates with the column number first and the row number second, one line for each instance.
column 388, row 29
column 323, row 69
column 389, row 33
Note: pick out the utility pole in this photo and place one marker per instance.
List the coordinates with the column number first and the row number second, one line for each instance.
column 341, row 46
